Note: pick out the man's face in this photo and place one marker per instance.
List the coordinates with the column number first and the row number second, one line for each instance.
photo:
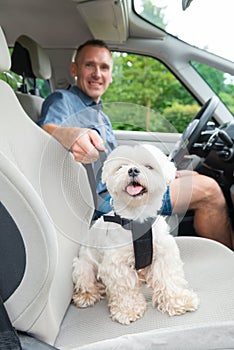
column 93, row 71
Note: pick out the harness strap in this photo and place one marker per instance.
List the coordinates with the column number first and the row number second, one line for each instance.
column 141, row 235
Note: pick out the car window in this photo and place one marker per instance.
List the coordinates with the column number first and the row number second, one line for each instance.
column 144, row 81
column 206, row 24
column 221, row 83
column 17, row 83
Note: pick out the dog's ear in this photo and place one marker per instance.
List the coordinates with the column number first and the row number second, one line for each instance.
column 169, row 171
column 113, row 160
column 168, row 168
column 105, row 172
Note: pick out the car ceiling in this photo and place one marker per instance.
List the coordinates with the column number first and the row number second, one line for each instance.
column 53, row 23
column 67, row 23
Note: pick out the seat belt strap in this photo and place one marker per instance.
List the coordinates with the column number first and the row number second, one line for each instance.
column 94, row 176
column 92, row 182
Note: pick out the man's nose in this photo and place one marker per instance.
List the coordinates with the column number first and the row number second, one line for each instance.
column 96, row 71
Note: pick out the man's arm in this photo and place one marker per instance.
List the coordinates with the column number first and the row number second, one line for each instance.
column 83, row 142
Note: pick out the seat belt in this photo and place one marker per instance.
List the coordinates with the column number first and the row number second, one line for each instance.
column 94, row 175
column 92, row 182
column 9, row 339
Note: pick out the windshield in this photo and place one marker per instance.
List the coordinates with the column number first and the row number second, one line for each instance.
column 206, row 24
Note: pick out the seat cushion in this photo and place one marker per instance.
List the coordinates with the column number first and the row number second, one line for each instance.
column 209, row 270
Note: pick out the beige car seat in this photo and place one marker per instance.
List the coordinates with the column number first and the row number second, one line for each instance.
column 30, row 61
column 35, row 169
column 47, row 198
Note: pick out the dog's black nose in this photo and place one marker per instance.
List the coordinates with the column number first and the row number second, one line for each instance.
column 133, row 172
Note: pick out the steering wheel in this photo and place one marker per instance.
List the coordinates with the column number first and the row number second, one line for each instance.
column 193, row 131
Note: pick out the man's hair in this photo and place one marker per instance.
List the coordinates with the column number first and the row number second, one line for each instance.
column 92, row 42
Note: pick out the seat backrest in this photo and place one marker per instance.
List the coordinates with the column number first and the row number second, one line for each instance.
column 47, row 196
column 30, row 60
column 31, row 104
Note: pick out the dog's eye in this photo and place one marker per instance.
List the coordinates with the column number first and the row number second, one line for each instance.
column 121, row 166
column 149, row 167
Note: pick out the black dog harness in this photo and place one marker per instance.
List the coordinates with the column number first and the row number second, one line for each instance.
column 141, row 236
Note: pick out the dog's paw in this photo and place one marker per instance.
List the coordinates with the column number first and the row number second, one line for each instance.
column 177, row 303
column 84, row 298
column 127, row 309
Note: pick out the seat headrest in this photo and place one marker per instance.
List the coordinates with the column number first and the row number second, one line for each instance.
column 5, row 58
column 29, row 59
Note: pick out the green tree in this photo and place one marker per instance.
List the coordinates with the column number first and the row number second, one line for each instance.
column 152, row 13
column 147, row 82
column 215, row 78
column 180, row 115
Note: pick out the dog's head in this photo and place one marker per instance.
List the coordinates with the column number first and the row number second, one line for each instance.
column 136, row 178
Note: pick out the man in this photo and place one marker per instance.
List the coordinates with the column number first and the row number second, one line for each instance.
column 86, row 131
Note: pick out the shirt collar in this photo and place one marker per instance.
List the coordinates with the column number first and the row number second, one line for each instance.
column 86, row 99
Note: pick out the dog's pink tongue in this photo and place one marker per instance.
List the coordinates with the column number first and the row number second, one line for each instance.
column 134, row 190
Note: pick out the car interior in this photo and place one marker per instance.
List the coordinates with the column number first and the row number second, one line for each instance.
column 46, row 206
column 30, row 61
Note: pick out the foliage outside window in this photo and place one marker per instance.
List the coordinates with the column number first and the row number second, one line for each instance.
column 145, row 81
column 222, row 83
column 16, row 82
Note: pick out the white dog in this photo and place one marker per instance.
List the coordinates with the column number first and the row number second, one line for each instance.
column 136, row 178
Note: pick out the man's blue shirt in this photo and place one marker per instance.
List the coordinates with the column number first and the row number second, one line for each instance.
column 73, row 107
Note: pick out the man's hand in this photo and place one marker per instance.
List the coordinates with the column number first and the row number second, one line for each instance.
column 86, row 146
column 84, row 143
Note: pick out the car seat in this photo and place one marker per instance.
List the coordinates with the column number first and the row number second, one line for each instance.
column 34, row 169
column 47, row 205
column 30, row 61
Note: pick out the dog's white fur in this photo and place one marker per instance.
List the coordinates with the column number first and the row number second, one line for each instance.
column 106, row 261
